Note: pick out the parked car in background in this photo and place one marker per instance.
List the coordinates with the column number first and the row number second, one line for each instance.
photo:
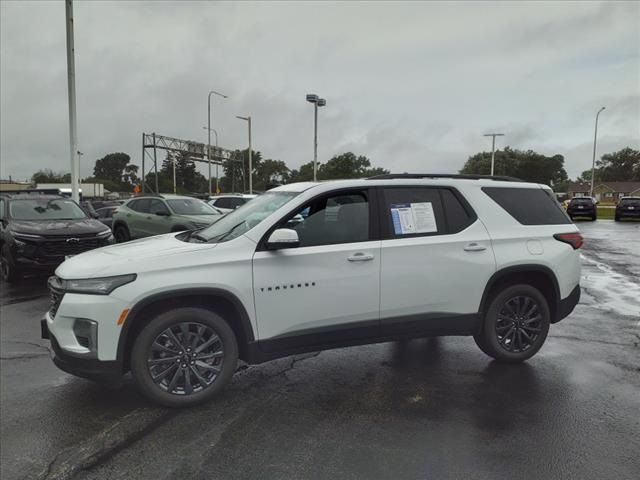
column 582, row 207
column 98, row 204
column 148, row 215
column 386, row 258
column 88, row 208
column 228, row 203
column 105, row 214
column 628, row 207
column 38, row 231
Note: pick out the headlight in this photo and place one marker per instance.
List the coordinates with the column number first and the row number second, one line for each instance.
column 106, row 233
column 97, row 286
column 25, row 236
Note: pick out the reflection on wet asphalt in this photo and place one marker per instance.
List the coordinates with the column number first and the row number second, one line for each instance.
column 429, row 408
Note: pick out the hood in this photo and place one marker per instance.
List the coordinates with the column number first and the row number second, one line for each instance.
column 201, row 219
column 131, row 257
column 83, row 226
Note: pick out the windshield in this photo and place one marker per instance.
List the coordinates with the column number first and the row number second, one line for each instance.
column 46, row 209
column 245, row 217
column 191, row 206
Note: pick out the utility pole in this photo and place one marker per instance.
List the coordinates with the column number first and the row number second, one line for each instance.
column 71, row 85
column 209, row 136
column 248, row 120
column 317, row 102
column 493, row 147
column 593, row 161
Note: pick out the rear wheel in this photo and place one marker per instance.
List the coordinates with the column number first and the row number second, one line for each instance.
column 617, row 218
column 10, row 272
column 121, row 233
column 594, row 217
column 515, row 324
column 184, row 357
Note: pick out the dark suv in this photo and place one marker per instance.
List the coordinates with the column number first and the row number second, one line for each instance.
column 582, row 207
column 37, row 232
column 628, row 207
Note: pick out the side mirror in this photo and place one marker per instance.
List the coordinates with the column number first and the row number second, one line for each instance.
column 283, row 238
column 163, row 213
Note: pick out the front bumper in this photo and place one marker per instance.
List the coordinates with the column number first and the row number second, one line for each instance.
column 92, row 368
column 566, row 305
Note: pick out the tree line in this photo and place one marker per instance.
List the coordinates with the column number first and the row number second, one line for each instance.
column 118, row 174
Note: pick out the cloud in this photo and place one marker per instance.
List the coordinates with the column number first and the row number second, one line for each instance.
column 412, row 85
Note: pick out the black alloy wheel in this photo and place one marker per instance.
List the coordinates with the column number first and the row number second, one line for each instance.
column 518, row 324
column 184, row 356
column 515, row 324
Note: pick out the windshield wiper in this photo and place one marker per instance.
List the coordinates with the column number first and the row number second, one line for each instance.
column 226, row 234
column 197, row 236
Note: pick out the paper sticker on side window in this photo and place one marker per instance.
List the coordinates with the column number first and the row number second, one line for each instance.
column 409, row 218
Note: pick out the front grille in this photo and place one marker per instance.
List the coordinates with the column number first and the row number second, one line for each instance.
column 69, row 246
column 56, row 294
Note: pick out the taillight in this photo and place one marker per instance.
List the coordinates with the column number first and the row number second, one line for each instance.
column 573, row 239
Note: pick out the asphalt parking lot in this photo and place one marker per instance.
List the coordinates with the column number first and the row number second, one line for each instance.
column 432, row 408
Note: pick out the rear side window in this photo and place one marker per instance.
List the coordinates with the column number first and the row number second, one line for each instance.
column 529, row 206
column 413, row 212
column 223, row 203
column 236, row 202
column 458, row 217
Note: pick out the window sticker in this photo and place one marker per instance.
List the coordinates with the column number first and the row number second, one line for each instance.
column 411, row 218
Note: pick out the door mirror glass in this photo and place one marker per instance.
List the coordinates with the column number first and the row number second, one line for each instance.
column 283, row 238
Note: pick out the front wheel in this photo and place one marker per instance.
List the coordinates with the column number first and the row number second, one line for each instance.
column 184, row 357
column 10, row 272
column 515, row 325
column 121, row 234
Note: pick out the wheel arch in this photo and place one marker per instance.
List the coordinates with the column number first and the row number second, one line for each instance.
column 217, row 300
column 538, row 276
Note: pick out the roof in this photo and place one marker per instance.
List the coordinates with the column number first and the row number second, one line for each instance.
column 28, row 195
column 625, row 187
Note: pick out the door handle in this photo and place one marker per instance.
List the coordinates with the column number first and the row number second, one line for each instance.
column 360, row 257
column 474, row 247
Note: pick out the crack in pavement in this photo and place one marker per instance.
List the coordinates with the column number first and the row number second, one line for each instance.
column 22, row 355
column 101, row 446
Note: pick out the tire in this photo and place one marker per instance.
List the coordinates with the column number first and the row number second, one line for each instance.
column 121, row 233
column 9, row 271
column 521, row 308
column 167, row 331
column 617, row 218
column 594, row 218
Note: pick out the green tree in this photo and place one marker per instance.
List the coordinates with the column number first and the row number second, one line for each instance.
column 348, row 165
column 115, row 170
column 236, row 171
column 303, row 174
column 527, row 165
column 270, row 173
column 620, row 166
column 49, row 176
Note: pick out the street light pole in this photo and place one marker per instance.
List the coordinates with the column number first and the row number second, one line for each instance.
column 493, row 147
column 317, row 102
column 209, row 136
column 248, row 119
column 593, row 161
column 71, row 86
column 217, row 174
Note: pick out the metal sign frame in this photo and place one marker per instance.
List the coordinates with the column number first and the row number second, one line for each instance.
column 196, row 151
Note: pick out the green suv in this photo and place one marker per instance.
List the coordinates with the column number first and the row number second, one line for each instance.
column 144, row 216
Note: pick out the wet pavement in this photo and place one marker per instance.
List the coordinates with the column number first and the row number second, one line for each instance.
column 431, row 408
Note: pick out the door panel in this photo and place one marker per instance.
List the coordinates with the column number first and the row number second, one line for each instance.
column 435, row 274
column 332, row 279
column 304, row 288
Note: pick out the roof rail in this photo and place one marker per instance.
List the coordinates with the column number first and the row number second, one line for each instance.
column 464, row 176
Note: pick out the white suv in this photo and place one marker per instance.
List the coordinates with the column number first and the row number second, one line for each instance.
column 313, row 266
column 228, row 203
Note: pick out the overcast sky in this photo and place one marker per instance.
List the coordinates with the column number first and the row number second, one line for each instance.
column 413, row 86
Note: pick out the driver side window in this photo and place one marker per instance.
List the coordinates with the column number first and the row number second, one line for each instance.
column 334, row 219
column 158, row 206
